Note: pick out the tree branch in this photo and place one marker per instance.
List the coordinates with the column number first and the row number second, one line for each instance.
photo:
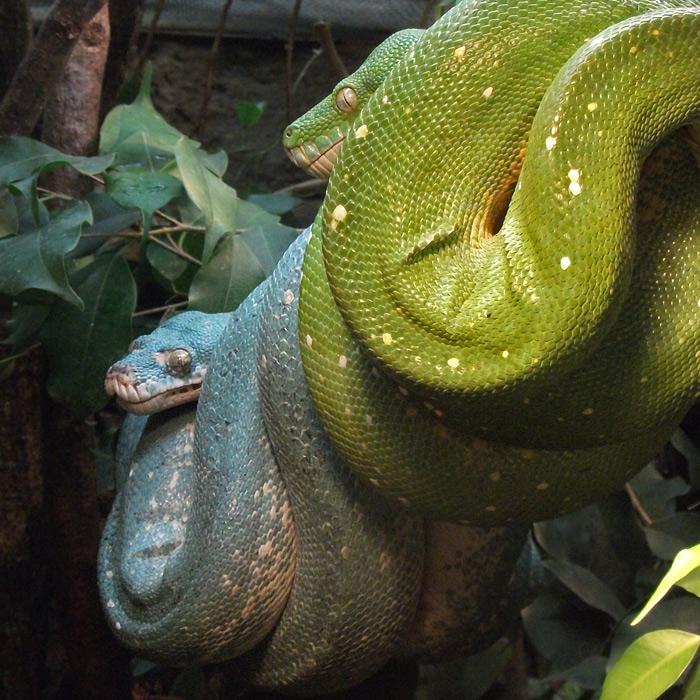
column 323, row 29
column 72, row 111
column 41, row 67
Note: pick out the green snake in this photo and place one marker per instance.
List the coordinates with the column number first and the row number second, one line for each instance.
column 498, row 310
column 496, row 323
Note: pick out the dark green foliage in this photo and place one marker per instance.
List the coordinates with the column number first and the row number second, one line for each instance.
column 166, row 231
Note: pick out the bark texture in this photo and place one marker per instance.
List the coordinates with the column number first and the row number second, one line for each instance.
column 15, row 20
column 23, row 608
column 72, row 112
column 40, row 69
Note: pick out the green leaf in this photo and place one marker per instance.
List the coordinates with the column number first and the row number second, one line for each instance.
column 82, row 345
column 669, row 536
column 216, row 162
column 690, row 451
column 680, row 612
column 249, row 113
column 35, row 260
column 604, row 538
column 217, row 201
column 108, row 218
column 650, row 665
column 22, row 158
column 167, row 264
column 276, row 203
column 587, row 586
column 657, row 494
column 25, row 321
column 142, row 189
column 231, row 274
column 138, row 134
column 267, row 238
column 691, row 582
column 465, row 678
column 562, row 630
column 691, row 687
column 9, row 218
column 589, row 674
column 686, row 561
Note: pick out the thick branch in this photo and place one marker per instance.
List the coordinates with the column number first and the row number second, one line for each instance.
column 39, row 71
column 97, row 667
column 323, row 29
column 23, row 608
column 72, row 113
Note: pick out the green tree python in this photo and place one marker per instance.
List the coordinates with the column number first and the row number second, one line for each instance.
column 495, row 317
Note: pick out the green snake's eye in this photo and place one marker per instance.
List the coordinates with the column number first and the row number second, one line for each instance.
column 346, row 100
column 179, row 361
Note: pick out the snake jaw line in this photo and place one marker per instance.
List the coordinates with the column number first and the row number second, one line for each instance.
column 317, row 163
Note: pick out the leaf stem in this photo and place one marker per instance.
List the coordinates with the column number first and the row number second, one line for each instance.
column 176, row 250
column 178, row 228
column 637, row 505
column 159, row 309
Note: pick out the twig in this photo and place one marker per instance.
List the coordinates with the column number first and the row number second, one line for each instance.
column 167, row 217
column 176, row 251
column 290, row 57
column 21, row 353
column 314, row 55
column 637, row 505
column 213, row 54
column 310, row 185
column 145, row 51
column 51, row 194
column 323, row 29
column 159, row 309
column 114, row 234
column 178, row 228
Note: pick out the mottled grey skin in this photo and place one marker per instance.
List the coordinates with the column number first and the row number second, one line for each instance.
column 187, row 528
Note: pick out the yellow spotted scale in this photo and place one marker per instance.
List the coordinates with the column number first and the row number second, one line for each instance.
column 499, row 307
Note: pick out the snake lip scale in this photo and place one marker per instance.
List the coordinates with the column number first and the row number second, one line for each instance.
column 318, row 163
column 144, row 398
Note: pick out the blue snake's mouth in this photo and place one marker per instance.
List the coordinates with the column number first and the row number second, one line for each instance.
column 144, row 398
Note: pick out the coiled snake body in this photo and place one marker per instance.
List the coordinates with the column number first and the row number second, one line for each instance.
column 497, row 324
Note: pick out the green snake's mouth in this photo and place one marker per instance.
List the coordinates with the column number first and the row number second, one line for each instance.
column 144, row 398
column 317, row 158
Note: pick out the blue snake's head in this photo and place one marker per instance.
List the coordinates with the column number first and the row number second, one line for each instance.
column 167, row 367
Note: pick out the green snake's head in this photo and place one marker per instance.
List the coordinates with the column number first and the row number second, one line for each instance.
column 312, row 141
column 167, row 367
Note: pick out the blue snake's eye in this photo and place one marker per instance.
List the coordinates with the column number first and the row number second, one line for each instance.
column 346, row 100
column 179, row 361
